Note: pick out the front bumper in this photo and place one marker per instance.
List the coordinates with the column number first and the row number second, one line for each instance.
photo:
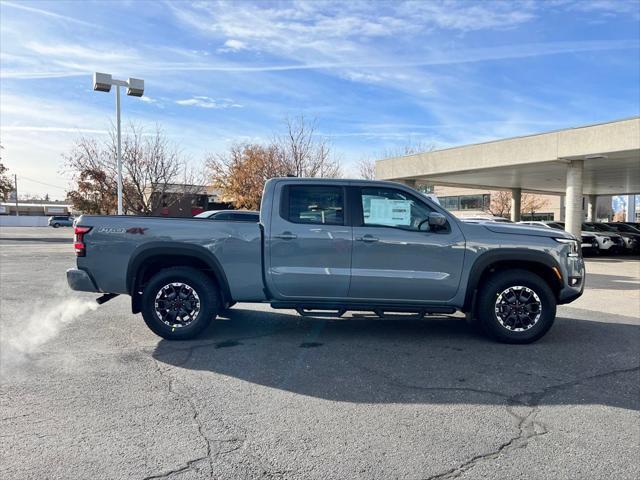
column 81, row 281
column 574, row 270
column 631, row 244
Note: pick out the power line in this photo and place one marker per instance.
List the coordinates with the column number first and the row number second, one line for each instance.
column 43, row 183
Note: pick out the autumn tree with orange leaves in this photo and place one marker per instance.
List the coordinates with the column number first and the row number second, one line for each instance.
column 241, row 172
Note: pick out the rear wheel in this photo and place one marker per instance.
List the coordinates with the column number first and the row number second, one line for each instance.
column 179, row 303
column 56, row 225
column 516, row 306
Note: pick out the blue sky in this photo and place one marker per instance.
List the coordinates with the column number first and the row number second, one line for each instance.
column 376, row 75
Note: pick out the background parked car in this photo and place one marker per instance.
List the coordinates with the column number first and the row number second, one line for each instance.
column 625, row 228
column 231, row 215
column 60, row 221
column 486, row 219
column 630, row 237
column 589, row 240
column 608, row 241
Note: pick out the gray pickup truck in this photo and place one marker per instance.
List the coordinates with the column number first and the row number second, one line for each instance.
column 324, row 247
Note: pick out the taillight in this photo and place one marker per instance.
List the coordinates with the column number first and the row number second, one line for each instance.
column 78, row 240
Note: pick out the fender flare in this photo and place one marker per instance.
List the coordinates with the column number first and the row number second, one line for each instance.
column 492, row 257
column 175, row 249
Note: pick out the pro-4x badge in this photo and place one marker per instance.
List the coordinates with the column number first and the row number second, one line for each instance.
column 110, row 230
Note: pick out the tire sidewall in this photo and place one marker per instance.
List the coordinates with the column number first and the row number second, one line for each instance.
column 500, row 282
column 206, row 291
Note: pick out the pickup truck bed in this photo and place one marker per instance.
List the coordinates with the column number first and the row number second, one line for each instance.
column 121, row 248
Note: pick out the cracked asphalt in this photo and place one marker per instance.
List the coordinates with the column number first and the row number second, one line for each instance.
column 265, row 394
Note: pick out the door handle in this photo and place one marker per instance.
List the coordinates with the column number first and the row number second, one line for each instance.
column 367, row 238
column 286, row 236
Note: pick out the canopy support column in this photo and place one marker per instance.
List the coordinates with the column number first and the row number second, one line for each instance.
column 574, row 212
column 516, row 204
column 592, row 211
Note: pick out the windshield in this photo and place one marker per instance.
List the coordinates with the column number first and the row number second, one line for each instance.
column 204, row 215
column 556, row 225
column 624, row 228
column 600, row 227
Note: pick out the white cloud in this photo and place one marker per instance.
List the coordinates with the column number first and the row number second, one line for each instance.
column 233, row 45
column 364, row 44
column 47, row 13
column 208, row 102
column 28, row 128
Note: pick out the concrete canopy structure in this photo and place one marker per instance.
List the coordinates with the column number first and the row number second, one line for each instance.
column 602, row 159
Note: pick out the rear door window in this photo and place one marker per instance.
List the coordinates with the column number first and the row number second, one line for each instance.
column 315, row 204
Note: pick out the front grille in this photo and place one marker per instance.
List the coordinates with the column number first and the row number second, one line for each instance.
column 617, row 240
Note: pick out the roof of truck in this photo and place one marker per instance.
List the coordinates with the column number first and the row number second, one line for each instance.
column 347, row 181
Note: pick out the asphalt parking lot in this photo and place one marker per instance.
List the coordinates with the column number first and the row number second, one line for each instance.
column 266, row 394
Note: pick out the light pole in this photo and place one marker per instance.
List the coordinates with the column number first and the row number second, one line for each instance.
column 102, row 82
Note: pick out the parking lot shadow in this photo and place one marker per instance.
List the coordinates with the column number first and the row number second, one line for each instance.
column 611, row 282
column 433, row 361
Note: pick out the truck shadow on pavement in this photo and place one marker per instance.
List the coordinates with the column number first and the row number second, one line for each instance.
column 433, row 361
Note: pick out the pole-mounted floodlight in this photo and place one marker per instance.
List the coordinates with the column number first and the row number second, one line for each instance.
column 102, row 82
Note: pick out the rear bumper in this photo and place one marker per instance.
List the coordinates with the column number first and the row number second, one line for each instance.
column 80, row 280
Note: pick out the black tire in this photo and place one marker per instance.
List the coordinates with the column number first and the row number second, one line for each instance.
column 56, row 225
column 207, row 296
column 489, row 294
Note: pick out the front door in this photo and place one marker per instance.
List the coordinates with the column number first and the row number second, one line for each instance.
column 310, row 243
column 397, row 256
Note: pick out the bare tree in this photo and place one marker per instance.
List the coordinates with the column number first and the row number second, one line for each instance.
column 367, row 168
column 304, row 152
column 411, row 147
column 242, row 171
column 530, row 203
column 151, row 167
column 500, row 204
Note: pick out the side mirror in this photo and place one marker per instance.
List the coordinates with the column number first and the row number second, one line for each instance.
column 437, row 219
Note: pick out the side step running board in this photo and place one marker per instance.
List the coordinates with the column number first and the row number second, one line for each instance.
column 307, row 312
column 336, row 310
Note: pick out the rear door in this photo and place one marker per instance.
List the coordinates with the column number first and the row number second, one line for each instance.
column 396, row 255
column 309, row 244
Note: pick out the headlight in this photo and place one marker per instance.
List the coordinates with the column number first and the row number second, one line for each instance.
column 573, row 245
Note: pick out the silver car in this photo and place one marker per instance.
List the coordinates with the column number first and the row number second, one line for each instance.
column 61, row 221
column 589, row 240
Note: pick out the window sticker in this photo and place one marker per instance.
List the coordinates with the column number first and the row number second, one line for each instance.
column 383, row 211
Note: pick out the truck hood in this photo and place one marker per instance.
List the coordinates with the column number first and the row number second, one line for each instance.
column 516, row 229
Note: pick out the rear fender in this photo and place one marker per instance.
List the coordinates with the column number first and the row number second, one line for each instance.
column 172, row 252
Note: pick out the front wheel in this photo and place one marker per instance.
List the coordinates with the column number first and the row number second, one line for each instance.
column 516, row 306
column 56, row 225
column 179, row 303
